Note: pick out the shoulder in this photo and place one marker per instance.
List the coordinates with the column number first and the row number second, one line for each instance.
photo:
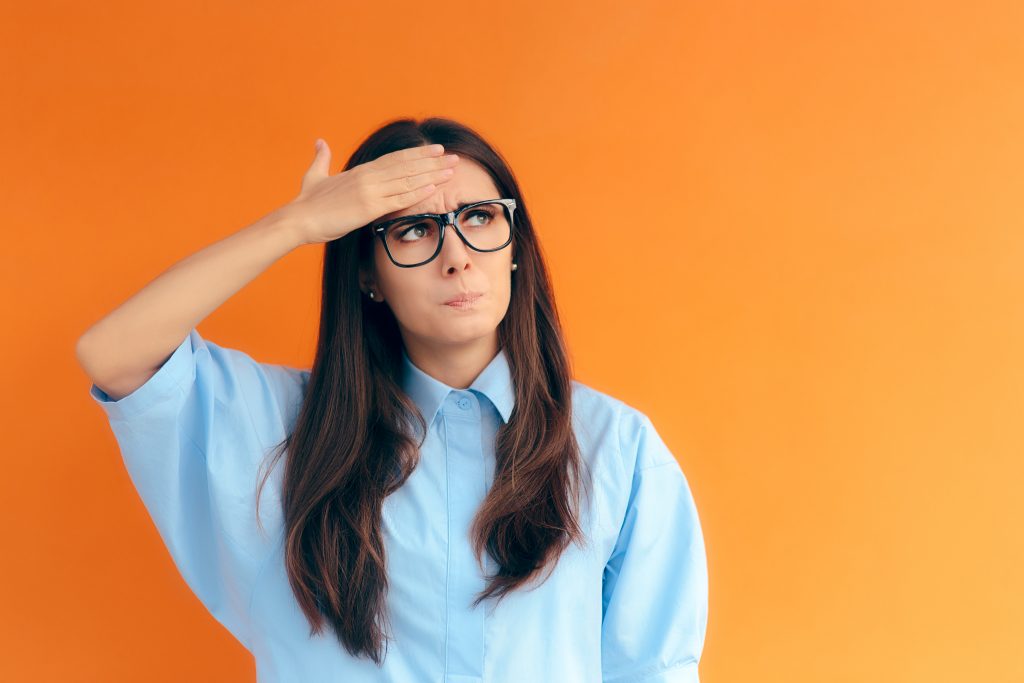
column 277, row 379
column 276, row 399
column 593, row 406
column 287, row 384
column 625, row 428
column 622, row 432
column 271, row 393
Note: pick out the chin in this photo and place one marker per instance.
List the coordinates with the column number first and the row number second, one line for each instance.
column 464, row 329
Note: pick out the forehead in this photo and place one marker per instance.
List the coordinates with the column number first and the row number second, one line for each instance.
column 470, row 183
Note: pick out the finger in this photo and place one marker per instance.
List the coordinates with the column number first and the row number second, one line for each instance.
column 406, row 154
column 406, row 184
column 416, row 166
column 406, row 199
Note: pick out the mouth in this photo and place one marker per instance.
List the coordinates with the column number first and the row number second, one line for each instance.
column 466, row 300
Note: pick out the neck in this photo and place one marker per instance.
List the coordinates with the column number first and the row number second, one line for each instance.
column 456, row 365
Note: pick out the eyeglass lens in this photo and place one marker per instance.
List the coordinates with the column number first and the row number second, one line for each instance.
column 413, row 241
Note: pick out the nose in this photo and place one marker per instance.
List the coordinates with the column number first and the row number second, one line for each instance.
column 454, row 252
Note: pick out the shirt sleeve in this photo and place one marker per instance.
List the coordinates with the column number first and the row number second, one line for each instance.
column 192, row 439
column 655, row 587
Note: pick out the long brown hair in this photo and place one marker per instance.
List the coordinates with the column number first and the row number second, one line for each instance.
column 351, row 445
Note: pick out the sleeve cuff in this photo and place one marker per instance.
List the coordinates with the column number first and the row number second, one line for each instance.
column 164, row 382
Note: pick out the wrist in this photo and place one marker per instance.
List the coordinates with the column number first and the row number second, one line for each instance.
column 284, row 222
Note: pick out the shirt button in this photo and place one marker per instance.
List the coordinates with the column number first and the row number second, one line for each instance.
column 463, row 403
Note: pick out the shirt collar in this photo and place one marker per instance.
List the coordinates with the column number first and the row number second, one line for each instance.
column 494, row 382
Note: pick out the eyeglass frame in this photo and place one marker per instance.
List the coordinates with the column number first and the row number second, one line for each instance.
column 444, row 220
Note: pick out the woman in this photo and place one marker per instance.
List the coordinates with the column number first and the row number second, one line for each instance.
column 452, row 505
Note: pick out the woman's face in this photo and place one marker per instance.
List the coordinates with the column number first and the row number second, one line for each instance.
column 417, row 295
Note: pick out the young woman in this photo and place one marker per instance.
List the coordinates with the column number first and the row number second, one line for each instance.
column 452, row 505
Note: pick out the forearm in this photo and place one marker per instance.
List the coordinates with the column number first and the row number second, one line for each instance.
column 128, row 345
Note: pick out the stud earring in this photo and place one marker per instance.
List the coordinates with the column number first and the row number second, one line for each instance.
column 371, row 295
column 514, row 266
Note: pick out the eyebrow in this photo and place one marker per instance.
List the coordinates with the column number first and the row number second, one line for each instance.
column 459, row 206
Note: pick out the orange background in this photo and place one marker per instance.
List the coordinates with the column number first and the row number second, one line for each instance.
column 789, row 232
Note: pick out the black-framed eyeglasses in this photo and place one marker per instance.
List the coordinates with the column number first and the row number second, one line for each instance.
column 414, row 240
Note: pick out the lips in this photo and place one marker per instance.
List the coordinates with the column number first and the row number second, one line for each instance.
column 464, row 298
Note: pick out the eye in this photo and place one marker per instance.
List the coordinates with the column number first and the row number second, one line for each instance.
column 406, row 232
column 474, row 214
column 419, row 230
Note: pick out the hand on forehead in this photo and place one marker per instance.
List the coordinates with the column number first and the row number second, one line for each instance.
column 470, row 183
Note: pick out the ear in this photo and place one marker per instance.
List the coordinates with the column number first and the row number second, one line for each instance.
column 366, row 282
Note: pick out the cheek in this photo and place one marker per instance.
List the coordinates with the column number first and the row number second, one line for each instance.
column 390, row 278
column 501, row 284
column 380, row 257
column 407, row 291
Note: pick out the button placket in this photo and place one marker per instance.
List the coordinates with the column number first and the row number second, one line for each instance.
column 464, row 460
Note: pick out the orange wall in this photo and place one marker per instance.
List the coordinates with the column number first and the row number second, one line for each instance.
column 804, row 218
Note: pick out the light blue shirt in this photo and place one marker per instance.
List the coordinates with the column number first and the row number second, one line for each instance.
column 630, row 607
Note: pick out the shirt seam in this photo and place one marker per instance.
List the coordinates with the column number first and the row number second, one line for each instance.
column 448, row 540
column 656, row 466
column 652, row 433
column 631, row 678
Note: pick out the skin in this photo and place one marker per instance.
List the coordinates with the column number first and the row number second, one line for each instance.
column 451, row 345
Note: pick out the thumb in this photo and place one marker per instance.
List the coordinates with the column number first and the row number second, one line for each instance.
column 322, row 160
column 318, row 170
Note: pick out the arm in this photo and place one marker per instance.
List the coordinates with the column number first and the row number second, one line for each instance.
column 126, row 347
column 656, row 581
